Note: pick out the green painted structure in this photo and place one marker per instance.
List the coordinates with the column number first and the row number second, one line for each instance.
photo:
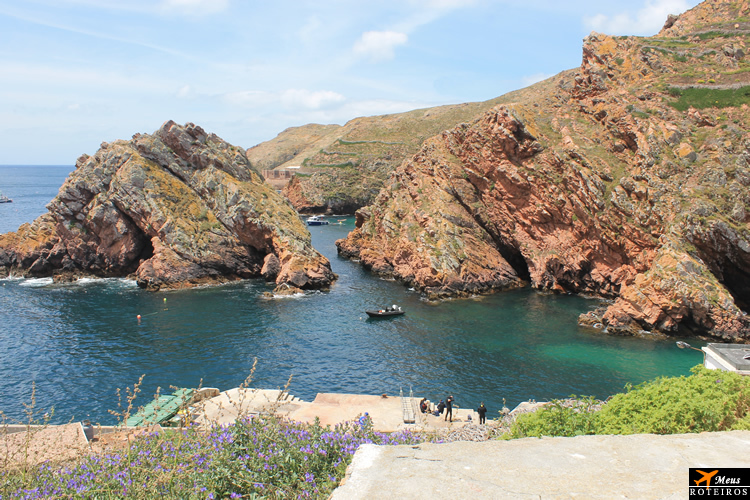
column 161, row 409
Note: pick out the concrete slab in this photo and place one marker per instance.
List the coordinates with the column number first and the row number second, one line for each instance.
column 116, row 439
column 385, row 411
column 332, row 409
column 229, row 405
column 40, row 444
column 598, row 467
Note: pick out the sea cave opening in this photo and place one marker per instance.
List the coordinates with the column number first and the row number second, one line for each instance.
column 516, row 260
column 147, row 251
column 731, row 272
column 736, row 279
column 723, row 250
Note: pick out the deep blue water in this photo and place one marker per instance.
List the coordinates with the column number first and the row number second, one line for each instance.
column 78, row 343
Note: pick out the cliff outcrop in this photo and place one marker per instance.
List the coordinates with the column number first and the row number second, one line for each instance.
column 177, row 208
column 628, row 178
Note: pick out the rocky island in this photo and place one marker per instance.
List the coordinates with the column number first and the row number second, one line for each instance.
column 175, row 209
column 627, row 178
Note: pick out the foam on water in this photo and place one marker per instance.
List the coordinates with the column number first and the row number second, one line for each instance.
column 12, row 278
column 111, row 282
column 86, row 281
column 36, row 282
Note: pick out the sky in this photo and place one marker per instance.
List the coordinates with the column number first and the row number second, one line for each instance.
column 76, row 73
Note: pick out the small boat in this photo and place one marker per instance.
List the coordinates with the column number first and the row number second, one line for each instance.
column 393, row 310
column 4, row 199
column 316, row 220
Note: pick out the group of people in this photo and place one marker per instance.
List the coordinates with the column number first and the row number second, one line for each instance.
column 447, row 407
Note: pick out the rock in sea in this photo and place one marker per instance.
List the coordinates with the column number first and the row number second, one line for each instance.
column 174, row 209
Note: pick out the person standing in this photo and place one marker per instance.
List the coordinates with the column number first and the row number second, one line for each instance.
column 482, row 410
column 449, row 409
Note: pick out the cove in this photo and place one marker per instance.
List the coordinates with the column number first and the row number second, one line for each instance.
column 79, row 342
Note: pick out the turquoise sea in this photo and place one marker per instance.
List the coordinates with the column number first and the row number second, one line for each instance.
column 78, row 343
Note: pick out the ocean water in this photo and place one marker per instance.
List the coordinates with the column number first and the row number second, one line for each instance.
column 77, row 344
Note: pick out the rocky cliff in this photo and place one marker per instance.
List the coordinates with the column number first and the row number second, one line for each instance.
column 628, row 178
column 177, row 208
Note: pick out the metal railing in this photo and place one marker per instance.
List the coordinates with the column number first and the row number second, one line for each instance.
column 408, row 406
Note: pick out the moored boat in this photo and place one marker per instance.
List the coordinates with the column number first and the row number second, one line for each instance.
column 393, row 310
column 316, row 220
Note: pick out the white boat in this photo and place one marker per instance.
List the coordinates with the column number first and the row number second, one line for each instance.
column 4, row 199
column 316, row 220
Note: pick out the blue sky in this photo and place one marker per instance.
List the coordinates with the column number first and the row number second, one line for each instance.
column 74, row 73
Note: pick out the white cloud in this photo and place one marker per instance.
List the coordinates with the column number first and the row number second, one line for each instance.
column 341, row 113
column 379, row 45
column 185, row 92
column 300, row 98
column 311, row 29
column 290, row 99
column 446, row 4
column 250, row 98
column 22, row 75
column 647, row 21
column 373, row 107
column 532, row 79
column 195, row 7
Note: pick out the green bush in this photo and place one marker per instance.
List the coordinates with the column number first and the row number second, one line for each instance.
column 707, row 400
column 701, row 98
column 560, row 418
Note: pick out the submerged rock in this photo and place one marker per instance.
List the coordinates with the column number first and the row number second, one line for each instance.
column 175, row 209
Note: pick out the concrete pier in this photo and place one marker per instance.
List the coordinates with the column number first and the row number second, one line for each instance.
column 385, row 411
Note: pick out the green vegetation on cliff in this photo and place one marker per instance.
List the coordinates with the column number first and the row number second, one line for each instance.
column 706, row 401
column 702, row 98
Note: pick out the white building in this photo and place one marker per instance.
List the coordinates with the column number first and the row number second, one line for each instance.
column 727, row 357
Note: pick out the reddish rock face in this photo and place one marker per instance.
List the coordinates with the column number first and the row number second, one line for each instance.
column 591, row 182
column 175, row 209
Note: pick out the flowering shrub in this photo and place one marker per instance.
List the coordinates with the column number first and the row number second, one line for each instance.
column 260, row 456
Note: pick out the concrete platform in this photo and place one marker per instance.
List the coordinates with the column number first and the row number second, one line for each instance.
column 229, row 405
column 641, row 466
column 37, row 444
column 331, row 409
